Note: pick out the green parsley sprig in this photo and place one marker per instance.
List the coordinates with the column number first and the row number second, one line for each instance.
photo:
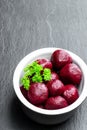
column 47, row 74
column 35, row 73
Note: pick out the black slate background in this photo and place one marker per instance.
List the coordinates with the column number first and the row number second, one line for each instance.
column 27, row 25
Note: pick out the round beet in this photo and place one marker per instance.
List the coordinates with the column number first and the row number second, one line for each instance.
column 40, row 106
column 71, row 73
column 56, row 103
column 54, row 76
column 55, row 87
column 60, row 58
column 45, row 63
column 37, row 93
column 70, row 93
column 24, row 91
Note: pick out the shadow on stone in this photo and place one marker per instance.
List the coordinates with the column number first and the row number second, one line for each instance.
column 20, row 120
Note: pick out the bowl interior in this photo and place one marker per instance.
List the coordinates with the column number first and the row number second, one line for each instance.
column 46, row 53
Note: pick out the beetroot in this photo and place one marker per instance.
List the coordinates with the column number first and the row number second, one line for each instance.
column 54, row 76
column 38, row 93
column 40, row 106
column 55, row 87
column 70, row 93
column 24, row 91
column 60, row 58
column 56, row 103
column 59, row 90
column 45, row 63
column 71, row 73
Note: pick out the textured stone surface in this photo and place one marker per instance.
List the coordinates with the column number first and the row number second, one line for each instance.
column 27, row 25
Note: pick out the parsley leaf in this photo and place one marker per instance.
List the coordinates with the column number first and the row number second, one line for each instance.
column 37, row 78
column 47, row 74
column 33, row 73
column 26, row 82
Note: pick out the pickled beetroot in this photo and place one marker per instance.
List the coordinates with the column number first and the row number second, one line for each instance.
column 60, row 58
column 45, row 63
column 24, row 91
column 60, row 90
column 54, row 76
column 40, row 106
column 56, row 103
column 55, row 87
column 38, row 93
column 71, row 73
column 71, row 93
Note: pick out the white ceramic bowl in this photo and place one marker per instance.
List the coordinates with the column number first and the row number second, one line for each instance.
column 48, row 116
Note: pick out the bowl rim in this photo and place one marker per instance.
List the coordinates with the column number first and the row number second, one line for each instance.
column 26, row 59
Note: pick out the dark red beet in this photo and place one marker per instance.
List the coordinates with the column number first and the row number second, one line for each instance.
column 60, row 58
column 60, row 96
column 54, row 76
column 40, row 106
column 24, row 91
column 56, row 103
column 70, row 93
column 38, row 93
column 55, row 87
column 71, row 73
column 45, row 63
